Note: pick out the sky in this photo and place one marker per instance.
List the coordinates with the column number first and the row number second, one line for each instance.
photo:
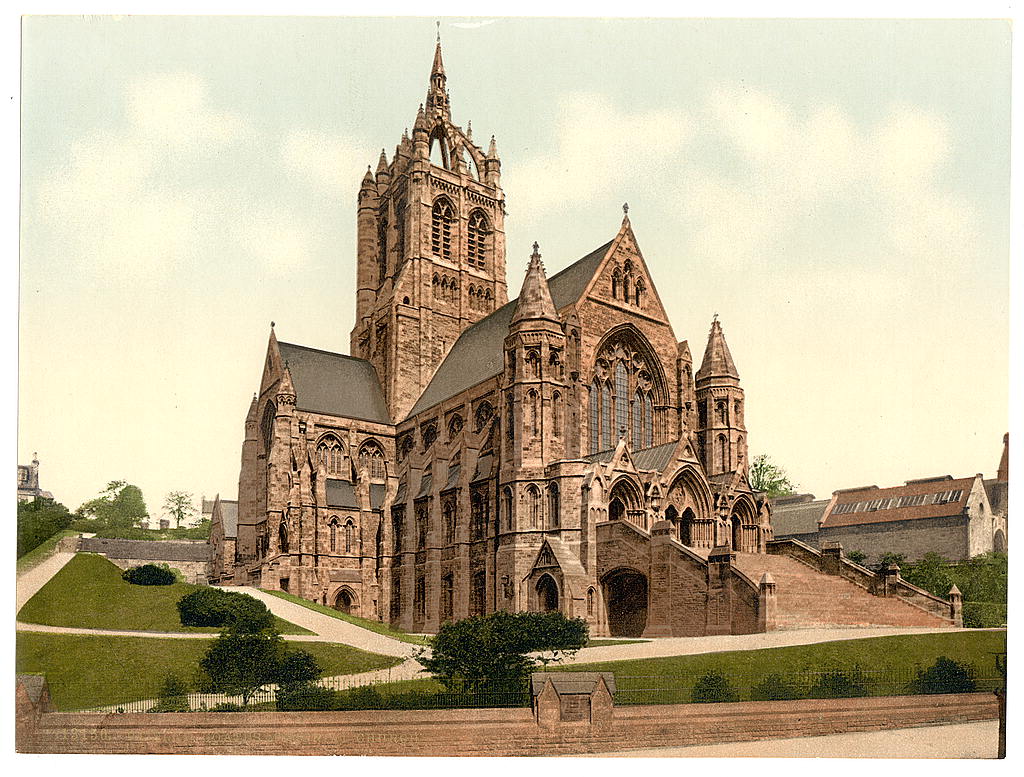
column 836, row 191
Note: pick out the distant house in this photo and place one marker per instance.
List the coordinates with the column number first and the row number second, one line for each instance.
column 223, row 537
column 28, row 482
column 190, row 557
column 955, row 517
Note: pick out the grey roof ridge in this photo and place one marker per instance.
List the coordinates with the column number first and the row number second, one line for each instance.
column 323, row 351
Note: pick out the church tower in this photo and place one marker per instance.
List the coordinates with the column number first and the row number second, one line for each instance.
column 720, row 429
column 430, row 248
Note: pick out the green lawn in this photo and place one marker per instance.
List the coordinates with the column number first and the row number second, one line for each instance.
column 607, row 642
column 89, row 593
column 93, row 671
column 42, row 551
column 375, row 626
column 677, row 674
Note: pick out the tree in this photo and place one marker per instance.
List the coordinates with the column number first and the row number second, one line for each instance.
column 39, row 520
column 770, row 477
column 179, row 504
column 493, row 650
column 240, row 664
column 857, row 556
column 119, row 506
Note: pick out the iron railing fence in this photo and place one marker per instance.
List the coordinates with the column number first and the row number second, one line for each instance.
column 769, row 686
column 342, row 693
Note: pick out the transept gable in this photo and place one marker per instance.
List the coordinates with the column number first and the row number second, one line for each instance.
column 624, row 280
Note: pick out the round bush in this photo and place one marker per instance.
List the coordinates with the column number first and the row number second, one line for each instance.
column 775, row 687
column 713, row 687
column 148, row 574
column 839, row 684
column 213, row 607
column 945, row 676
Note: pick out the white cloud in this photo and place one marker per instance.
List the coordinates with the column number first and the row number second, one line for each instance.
column 173, row 108
column 600, row 148
column 330, row 162
column 818, row 171
column 277, row 240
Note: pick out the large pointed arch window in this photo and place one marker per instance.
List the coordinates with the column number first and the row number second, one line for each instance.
column 622, row 396
column 442, row 218
column 477, row 232
column 371, row 458
column 329, row 452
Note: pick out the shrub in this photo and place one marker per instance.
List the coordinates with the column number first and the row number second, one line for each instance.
column 775, row 687
column 213, row 607
column 713, row 687
column 149, row 574
column 173, row 696
column 240, row 664
column 307, row 697
column 227, row 706
column 839, row 684
column 944, row 676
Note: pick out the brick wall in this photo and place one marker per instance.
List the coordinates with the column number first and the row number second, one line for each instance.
column 489, row 732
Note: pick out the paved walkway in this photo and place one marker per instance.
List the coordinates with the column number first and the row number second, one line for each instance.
column 31, row 581
column 328, row 628
column 958, row 740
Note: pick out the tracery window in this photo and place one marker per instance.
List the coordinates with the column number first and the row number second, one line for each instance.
column 622, row 395
column 331, row 454
column 533, row 506
column 371, row 457
column 349, row 531
column 479, row 514
column 442, row 218
column 477, row 233
column 334, row 534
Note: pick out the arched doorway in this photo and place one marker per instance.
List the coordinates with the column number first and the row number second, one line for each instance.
column 626, row 599
column 686, row 527
column 672, row 516
column 344, row 601
column 999, row 542
column 547, row 594
column 616, row 510
column 737, row 533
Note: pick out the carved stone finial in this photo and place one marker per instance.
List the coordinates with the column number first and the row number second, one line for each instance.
column 271, row 324
column 536, row 248
column 438, row 23
column 625, row 208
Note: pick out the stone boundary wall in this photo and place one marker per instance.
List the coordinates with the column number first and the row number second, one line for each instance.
column 487, row 732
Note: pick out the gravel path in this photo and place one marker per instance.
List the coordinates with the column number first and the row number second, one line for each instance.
column 957, row 740
column 31, row 581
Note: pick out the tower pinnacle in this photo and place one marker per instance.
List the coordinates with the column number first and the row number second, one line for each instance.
column 535, row 298
column 717, row 358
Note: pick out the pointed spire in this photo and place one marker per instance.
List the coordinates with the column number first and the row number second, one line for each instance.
column 535, row 297
column 286, row 391
column 421, row 121
column 717, row 359
column 492, row 151
column 250, row 417
column 368, row 178
column 382, row 163
column 437, row 70
column 625, row 213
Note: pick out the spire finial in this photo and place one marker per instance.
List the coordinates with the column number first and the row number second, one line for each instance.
column 714, row 318
column 536, row 249
column 625, row 209
column 271, row 324
column 438, row 23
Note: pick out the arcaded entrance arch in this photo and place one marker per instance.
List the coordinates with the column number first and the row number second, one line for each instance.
column 547, row 594
column 625, row 595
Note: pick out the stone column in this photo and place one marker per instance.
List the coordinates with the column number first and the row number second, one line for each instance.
column 659, row 586
column 719, row 608
column 767, row 606
column 831, row 553
column 956, row 606
column 890, row 580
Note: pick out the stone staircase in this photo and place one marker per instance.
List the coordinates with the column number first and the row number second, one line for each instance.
column 808, row 598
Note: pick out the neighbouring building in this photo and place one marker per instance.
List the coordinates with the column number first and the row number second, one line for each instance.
column 955, row 517
column 28, row 482
column 560, row 451
column 223, row 518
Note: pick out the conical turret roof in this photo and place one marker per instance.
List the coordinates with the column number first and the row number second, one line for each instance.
column 717, row 359
column 437, row 69
column 535, row 297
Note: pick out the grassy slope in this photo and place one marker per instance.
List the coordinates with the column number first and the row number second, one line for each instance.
column 91, row 671
column 42, row 551
column 899, row 653
column 375, row 626
column 89, row 593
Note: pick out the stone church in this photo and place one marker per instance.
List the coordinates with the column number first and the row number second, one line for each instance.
column 554, row 452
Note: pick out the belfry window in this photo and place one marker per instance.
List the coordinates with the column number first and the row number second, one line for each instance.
column 477, row 234
column 441, row 221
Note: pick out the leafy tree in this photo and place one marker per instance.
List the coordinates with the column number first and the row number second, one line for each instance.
column 493, row 650
column 173, row 696
column 891, row 558
column 214, row 607
column 120, row 505
column 240, row 664
column 930, row 573
column 180, row 505
column 769, row 477
column 857, row 556
column 39, row 520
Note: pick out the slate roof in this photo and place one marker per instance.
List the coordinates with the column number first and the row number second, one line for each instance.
column 651, row 459
column 998, row 494
column 797, row 515
column 334, row 384
column 477, row 354
column 147, row 550
column 927, row 489
column 571, row 682
column 342, row 493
